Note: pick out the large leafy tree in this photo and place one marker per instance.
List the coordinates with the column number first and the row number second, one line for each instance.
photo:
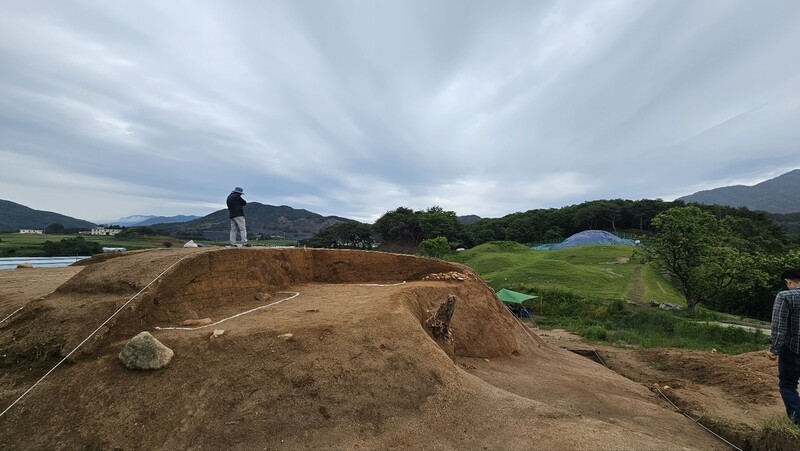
column 70, row 247
column 435, row 222
column 694, row 249
column 435, row 247
column 345, row 234
column 54, row 229
column 404, row 226
column 400, row 226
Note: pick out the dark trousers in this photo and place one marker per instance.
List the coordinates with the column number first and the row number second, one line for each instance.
column 788, row 376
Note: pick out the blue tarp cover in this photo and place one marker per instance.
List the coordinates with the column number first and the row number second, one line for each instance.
column 586, row 238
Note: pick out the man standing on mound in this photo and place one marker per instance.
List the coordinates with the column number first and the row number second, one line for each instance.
column 236, row 212
column 786, row 342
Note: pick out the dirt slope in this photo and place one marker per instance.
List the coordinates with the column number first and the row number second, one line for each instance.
column 359, row 371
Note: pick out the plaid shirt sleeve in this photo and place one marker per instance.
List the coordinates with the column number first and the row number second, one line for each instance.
column 780, row 320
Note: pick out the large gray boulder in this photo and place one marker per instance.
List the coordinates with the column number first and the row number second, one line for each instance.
column 144, row 352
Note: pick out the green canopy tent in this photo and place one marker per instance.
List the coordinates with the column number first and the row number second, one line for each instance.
column 514, row 301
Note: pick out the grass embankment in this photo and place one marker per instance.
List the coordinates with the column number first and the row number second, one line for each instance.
column 603, row 294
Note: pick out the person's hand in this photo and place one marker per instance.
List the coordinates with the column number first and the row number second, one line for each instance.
column 772, row 356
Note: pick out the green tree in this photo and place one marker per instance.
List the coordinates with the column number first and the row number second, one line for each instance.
column 136, row 232
column 435, row 222
column 435, row 247
column 54, row 229
column 691, row 247
column 70, row 247
column 346, row 234
column 400, row 226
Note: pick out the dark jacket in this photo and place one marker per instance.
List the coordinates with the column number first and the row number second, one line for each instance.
column 235, row 205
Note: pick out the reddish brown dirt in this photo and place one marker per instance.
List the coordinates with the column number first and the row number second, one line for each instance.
column 733, row 395
column 359, row 371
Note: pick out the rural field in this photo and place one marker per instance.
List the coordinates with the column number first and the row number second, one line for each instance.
column 30, row 245
column 335, row 349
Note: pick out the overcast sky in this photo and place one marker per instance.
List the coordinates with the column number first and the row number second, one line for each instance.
column 354, row 108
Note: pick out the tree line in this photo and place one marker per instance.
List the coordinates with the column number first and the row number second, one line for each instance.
column 721, row 257
column 728, row 263
column 408, row 228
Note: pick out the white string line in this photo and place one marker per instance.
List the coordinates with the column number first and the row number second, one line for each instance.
column 696, row 421
column 380, row 284
column 234, row 316
column 295, row 294
column 12, row 314
column 524, row 327
column 600, row 358
column 662, row 394
column 91, row 335
column 677, row 408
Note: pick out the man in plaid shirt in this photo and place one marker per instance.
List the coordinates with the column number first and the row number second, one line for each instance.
column 786, row 342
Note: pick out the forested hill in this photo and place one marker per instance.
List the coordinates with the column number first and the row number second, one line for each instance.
column 265, row 219
column 14, row 216
column 778, row 195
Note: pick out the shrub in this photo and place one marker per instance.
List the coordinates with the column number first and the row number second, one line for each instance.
column 616, row 306
column 701, row 314
column 656, row 328
column 134, row 232
column 435, row 247
column 71, row 246
column 595, row 333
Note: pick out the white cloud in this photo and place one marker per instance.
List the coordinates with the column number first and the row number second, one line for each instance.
column 356, row 108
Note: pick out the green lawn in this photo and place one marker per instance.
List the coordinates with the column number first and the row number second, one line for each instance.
column 601, row 271
column 30, row 245
column 587, row 290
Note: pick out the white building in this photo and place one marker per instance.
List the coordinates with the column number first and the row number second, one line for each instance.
column 36, row 231
column 104, row 231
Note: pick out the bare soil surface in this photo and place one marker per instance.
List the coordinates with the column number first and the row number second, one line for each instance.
column 348, row 363
column 733, row 395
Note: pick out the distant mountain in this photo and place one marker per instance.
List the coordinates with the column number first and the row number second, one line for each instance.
column 468, row 219
column 129, row 221
column 166, row 220
column 14, row 216
column 264, row 219
column 778, row 195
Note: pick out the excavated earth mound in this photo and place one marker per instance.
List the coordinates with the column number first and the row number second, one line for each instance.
column 321, row 349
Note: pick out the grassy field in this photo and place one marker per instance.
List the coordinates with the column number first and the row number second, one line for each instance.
column 30, row 245
column 601, row 271
column 25, row 245
column 603, row 294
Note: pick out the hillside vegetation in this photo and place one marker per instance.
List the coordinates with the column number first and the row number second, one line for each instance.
column 14, row 216
column 261, row 219
column 603, row 293
column 599, row 271
column 778, row 195
column 24, row 245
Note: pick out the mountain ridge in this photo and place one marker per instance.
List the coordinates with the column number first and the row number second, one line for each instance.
column 777, row 195
column 166, row 220
column 261, row 219
column 14, row 216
